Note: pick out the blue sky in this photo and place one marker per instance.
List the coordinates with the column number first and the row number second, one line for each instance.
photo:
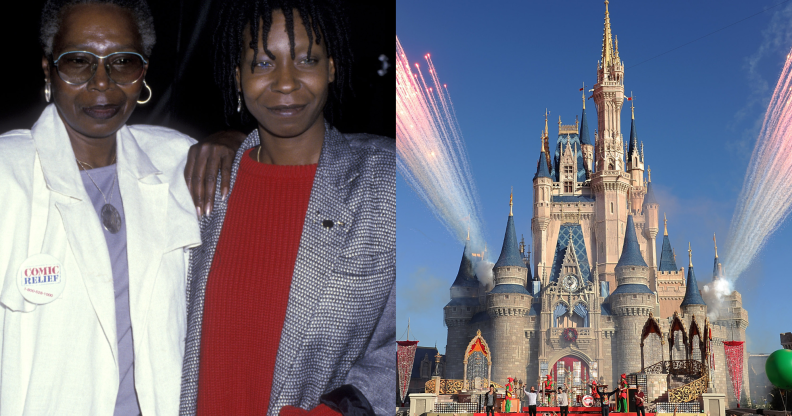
column 698, row 111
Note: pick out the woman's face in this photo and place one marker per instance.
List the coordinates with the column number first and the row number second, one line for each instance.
column 99, row 107
column 286, row 96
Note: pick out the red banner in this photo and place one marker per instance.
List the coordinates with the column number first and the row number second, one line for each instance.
column 734, row 363
column 405, row 355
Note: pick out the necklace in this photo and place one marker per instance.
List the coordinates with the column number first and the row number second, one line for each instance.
column 111, row 219
column 258, row 154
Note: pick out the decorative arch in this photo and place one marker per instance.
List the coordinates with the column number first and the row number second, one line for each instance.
column 478, row 344
column 651, row 327
column 676, row 325
column 567, row 352
column 581, row 309
column 702, row 344
column 559, row 309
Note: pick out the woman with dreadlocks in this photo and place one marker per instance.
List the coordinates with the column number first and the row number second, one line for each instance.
column 291, row 295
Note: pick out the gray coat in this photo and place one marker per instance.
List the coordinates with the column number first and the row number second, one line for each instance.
column 340, row 325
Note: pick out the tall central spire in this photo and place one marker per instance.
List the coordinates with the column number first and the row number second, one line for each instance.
column 607, row 40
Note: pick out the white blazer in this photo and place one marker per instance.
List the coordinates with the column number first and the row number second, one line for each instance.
column 62, row 357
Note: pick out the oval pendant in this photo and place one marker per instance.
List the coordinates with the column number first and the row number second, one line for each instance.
column 111, row 219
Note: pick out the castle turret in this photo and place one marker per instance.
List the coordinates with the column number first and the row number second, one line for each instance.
column 543, row 185
column 692, row 304
column 463, row 305
column 507, row 304
column 635, row 162
column 630, row 303
column 670, row 278
column 610, row 184
column 650, row 211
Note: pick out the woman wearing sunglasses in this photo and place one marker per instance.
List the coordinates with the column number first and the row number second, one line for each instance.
column 95, row 228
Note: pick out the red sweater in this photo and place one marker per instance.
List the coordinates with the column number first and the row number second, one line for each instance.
column 248, row 287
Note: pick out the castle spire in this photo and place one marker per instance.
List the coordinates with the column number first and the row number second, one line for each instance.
column 692, row 294
column 667, row 256
column 607, row 40
column 631, row 251
column 716, row 269
column 510, row 252
column 583, row 95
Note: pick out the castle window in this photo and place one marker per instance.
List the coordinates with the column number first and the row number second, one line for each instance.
column 568, row 169
column 507, row 296
column 468, row 309
column 567, row 186
column 454, row 308
column 609, row 319
column 611, row 207
column 635, row 296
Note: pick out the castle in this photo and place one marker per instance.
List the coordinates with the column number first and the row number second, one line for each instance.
column 595, row 269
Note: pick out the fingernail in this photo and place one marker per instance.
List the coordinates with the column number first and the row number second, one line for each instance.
column 225, row 195
column 198, row 209
column 208, row 210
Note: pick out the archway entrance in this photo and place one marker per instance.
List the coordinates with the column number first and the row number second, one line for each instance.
column 574, row 372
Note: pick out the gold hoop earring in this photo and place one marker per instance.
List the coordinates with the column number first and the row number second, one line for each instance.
column 150, row 94
column 239, row 102
column 47, row 92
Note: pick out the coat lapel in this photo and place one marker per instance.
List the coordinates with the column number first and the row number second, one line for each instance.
column 319, row 249
column 146, row 205
column 80, row 222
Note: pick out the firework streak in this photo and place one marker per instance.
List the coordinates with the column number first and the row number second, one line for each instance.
column 431, row 151
column 766, row 196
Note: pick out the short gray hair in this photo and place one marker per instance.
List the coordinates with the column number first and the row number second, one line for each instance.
column 52, row 15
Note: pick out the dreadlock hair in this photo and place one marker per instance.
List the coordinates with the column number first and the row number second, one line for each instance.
column 324, row 21
column 54, row 10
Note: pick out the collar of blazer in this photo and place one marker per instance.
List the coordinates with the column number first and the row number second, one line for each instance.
column 146, row 212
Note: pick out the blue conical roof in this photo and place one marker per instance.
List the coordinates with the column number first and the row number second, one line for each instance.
column 541, row 168
column 510, row 253
column 692, row 295
column 585, row 138
column 650, row 196
column 633, row 138
column 466, row 277
column 667, row 262
column 631, row 251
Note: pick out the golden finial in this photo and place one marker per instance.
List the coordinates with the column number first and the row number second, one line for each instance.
column 511, row 195
column 616, row 50
column 649, row 169
column 665, row 225
column 673, row 251
column 690, row 255
column 716, row 245
column 632, row 104
column 559, row 122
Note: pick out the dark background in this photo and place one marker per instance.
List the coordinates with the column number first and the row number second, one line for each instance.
column 185, row 96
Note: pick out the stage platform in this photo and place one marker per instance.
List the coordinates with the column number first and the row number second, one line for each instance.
column 577, row 411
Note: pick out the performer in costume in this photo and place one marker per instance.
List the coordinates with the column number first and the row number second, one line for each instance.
column 509, row 391
column 621, row 404
column 594, row 393
column 548, row 388
column 605, row 395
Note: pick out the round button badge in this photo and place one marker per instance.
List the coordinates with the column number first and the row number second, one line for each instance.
column 41, row 279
